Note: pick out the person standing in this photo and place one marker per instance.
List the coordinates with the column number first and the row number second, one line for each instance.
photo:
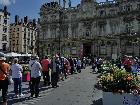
column 45, row 70
column 36, row 69
column 78, row 65
column 71, row 65
column 55, row 64
column 4, row 72
column 17, row 77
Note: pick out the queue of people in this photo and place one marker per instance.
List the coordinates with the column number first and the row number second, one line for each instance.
column 51, row 69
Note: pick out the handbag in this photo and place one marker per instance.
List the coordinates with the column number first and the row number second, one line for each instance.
column 8, row 78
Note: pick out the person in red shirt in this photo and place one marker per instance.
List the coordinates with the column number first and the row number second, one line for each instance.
column 45, row 70
column 127, row 64
column 4, row 72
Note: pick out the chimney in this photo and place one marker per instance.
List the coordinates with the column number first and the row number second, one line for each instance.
column 5, row 8
column 38, row 20
column 26, row 19
column 21, row 21
column 5, row 11
column 34, row 22
column 16, row 19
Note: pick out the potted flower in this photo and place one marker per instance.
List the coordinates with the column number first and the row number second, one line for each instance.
column 26, row 73
column 119, row 87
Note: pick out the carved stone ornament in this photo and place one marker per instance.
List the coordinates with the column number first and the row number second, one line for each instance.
column 102, row 22
column 87, row 23
column 128, row 19
column 138, row 17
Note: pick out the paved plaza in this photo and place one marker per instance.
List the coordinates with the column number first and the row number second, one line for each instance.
column 78, row 89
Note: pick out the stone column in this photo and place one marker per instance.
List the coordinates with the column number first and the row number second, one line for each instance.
column 108, row 27
column 136, row 25
column 48, row 31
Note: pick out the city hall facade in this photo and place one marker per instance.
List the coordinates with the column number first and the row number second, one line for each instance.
column 104, row 29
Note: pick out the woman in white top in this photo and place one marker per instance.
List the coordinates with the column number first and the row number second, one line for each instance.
column 36, row 69
column 17, row 77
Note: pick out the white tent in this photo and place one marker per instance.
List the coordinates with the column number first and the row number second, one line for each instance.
column 27, row 55
column 12, row 54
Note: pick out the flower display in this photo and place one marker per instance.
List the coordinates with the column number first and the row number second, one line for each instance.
column 117, row 80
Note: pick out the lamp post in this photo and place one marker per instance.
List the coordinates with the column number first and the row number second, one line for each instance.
column 60, row 31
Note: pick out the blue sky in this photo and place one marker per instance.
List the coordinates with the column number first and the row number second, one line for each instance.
column 28, row 7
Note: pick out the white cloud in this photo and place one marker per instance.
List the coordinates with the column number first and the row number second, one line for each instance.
column 7, row 2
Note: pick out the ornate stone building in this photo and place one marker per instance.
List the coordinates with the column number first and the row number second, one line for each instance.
column 103, row 29
column 4, row 29
column 23, row 35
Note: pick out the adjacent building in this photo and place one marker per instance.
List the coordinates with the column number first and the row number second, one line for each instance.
column 23, row 35
column 4, row 29
column 104, row 29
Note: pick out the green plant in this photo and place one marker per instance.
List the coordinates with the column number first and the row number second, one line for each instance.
column 117, row 80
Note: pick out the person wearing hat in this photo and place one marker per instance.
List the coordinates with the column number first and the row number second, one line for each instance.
column 4, row 72
column 36, row 69
column 17, row 77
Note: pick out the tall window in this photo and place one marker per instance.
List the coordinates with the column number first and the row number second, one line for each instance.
column 24, row 35
column 129, row 27
column 113, row 27
column 17, row 49
column 4, row 37
column 139, row 25
column 112, row 12
column 65, row 31
column 5, row 21
column 4, row 46
column 17, row 42
column 4, row 29
column 128, row 7
column 53, row 18
column 74, row 30
column 17, row 35
column 0, row 18
column 53, row 32
column 102, row 28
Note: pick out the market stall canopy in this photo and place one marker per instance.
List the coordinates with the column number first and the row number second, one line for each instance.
column 27, row 55
column 12, row 54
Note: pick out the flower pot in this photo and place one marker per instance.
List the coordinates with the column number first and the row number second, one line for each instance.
column 110, row 98
column 26, row 77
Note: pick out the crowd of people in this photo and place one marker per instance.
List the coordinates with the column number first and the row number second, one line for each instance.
column 129, row 63
column 51, row 69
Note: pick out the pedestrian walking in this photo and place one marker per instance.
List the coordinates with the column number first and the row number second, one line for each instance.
column 79, row 65
column 54, row 66
column 45, row 70
column 71, row 65
column 17, row 77
column 36, row 69
column 4, row 72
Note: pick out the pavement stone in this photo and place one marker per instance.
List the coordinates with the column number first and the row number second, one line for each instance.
column 78, row 89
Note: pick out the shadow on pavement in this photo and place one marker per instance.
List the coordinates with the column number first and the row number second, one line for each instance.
column 97, row 102
column 26, row 91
